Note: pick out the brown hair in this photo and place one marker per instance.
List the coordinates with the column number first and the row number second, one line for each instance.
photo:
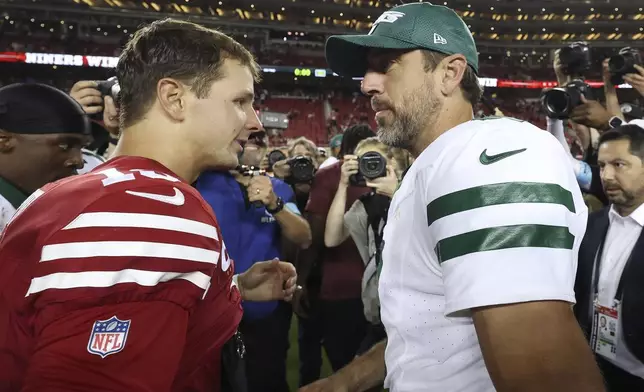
column 171, row 48
column 469, row 85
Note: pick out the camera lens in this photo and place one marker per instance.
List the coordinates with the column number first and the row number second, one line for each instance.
column 372, row 165
column 557, row 101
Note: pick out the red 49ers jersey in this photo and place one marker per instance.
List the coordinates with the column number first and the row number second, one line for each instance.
column 115, row 280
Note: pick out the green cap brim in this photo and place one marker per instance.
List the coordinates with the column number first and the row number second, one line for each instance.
column 347, row 54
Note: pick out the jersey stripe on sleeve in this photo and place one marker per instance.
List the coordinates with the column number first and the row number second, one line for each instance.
column 495, row 194
column 77, row 250
column 505, row 236
column 105, row 249
column 71, row 280
column 147, row 221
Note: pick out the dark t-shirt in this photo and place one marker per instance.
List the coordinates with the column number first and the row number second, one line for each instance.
column 342, row 266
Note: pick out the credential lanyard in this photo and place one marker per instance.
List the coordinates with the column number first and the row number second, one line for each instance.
column 597, row 270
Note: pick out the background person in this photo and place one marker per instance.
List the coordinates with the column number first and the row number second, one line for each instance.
column 42, row 132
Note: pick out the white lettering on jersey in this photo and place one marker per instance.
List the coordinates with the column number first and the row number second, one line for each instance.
column 114, row 176
column 178, row 199
column 386, row 17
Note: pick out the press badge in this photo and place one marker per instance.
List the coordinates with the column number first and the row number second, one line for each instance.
column 606, row 330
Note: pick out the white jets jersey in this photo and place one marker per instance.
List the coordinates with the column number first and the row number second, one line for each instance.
column 489, row 214
column 90, row 161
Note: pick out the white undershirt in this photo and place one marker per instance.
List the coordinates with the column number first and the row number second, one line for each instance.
column 622, row 235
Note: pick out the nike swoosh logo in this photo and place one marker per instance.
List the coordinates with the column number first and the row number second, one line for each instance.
column 488, row 159
column 178, row 199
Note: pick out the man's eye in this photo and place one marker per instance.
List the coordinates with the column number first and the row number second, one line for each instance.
column 64, row 146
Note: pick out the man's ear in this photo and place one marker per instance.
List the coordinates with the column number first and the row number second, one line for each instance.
column 171, row 95
column 7, row 142
column 454, row 67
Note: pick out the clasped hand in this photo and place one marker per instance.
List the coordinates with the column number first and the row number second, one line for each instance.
column 268, row 281
column 260, row 189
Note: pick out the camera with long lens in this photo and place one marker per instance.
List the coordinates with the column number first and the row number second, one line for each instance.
column 110, row 87
column 302, row 170
column 623, row 63
column 560, row 101
column 575, row 59
column 370, row 165
column 274, row 157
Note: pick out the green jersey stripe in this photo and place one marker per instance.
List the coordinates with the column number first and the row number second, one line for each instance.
column 495, row 194
column 504, row 237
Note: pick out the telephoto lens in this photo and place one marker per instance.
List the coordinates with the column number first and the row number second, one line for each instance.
column 560, row 102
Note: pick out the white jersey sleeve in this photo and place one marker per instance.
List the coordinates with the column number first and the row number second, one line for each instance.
column 506, row 218
column 6, row 212
column 90, row 161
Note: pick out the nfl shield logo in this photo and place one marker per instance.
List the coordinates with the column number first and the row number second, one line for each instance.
column 108, row 336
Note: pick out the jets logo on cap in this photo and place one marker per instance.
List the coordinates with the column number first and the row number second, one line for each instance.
column 438, row 39
column 386, row 17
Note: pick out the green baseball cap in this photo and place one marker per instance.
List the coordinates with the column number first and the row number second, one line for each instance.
column 408, row 26
column 335, row 141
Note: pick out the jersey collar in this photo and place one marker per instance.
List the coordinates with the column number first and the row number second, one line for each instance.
column 13, row 195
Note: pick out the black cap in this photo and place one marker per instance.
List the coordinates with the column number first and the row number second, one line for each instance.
column 34, row 108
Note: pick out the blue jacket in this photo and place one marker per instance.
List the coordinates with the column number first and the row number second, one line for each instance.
column 250, row 233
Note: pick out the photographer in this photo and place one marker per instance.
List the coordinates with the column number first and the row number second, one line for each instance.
column 93, row 101
column 333, row 276
column 300, row 150
column 365, row 221
column 255, row 213
column 96, row 103
column 583, row 114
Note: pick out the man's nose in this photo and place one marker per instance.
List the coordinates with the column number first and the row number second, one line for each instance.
column 372, row 84
column 75, row 159
column 607, row 173
column 253, row 123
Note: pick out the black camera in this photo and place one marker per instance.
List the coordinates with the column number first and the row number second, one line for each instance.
column 251, row 171
column 623, row 63
column 575, row 59
column 560, row 101
column 274, row 157
column 110, row 87
column 302, row 170
column 370, row 165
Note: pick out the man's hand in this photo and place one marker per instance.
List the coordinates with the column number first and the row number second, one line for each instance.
column 111, row 116
column 636, row 80
column 534, row 347
column 85, row 92
column 281, row 169
column 608, row 85
column 260, row 189
column 591, row 114
column 348, row 169
column 334, row 383
column 562, row 79
column 268, row 281
column 385, row 185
